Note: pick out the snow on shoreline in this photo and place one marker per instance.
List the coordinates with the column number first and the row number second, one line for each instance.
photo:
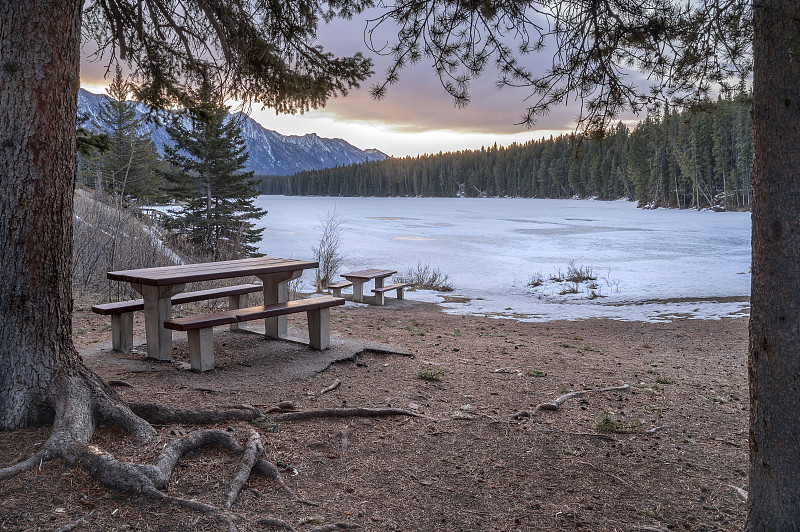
column 651, row 265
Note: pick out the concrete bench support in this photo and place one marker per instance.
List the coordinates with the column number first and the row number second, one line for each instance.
column 319, row 328
column 122, row 331
column 336, row 289
column 201, row 348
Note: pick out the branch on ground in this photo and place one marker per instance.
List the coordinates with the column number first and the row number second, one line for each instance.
column 556, row 403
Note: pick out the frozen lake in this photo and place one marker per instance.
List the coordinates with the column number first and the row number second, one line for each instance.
column 650, row 264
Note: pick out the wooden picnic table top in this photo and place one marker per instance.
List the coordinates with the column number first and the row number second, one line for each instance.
column 207, row 271
column 369, row 274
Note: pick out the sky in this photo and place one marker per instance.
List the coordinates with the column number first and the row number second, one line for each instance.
column 416, row 117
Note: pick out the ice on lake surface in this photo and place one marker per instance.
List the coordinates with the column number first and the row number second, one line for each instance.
column 650, row 264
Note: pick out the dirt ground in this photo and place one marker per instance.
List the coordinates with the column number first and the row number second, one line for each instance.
column 666, row 454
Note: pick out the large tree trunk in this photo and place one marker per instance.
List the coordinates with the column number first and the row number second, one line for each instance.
column 774, row 365
column 39, row 68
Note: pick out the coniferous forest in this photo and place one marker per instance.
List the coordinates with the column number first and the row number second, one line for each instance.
column 676, row 159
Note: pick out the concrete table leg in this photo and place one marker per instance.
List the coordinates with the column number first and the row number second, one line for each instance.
column 122, row 331
column 235, row 303
column 158, row 309
column 379, row 298
column 276, row 290
column 358, row 290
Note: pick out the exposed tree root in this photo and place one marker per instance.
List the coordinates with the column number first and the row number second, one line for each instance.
column 556, row 403
column 164, row 415
column 345, row 412
column 82, row 401
column 251, row 455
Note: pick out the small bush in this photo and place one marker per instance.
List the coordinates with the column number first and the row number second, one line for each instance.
column 266, row 424
column 569, row 289
column 608, row 423
column 424, row 277
column 431, row 374
column 535, row 373
column 579, row 274
column 536, row 280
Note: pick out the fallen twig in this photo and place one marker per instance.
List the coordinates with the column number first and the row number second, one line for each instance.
column 656, row 429
column 332, row 387
column 556, row 403
column 592, row 435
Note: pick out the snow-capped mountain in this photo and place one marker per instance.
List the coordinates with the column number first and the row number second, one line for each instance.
column 270, row 152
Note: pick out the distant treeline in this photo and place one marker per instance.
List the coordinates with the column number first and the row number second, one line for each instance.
column 677, row 159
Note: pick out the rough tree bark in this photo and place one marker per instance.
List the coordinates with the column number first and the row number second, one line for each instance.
column 774, row 363
column 39, row 66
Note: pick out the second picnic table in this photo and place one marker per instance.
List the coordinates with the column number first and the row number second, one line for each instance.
column 364, row 276
column 158, row 285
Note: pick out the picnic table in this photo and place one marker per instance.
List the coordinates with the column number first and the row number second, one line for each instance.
column 158, row 285
column 364, row 276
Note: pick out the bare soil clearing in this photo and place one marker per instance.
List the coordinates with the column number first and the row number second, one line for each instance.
column 673, row 449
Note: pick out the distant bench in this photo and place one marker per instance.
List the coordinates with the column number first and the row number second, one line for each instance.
column 380, row 291
column 336, row 288
column 199, row 328
column 121, row 312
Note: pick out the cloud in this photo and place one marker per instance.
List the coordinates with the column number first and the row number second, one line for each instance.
column 418, row 103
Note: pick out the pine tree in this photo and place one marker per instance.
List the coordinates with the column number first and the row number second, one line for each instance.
column 128, row 169
column 207, row 162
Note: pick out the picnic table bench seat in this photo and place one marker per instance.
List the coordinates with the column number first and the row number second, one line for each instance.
column 121, row 312
column 379, row 291
column 336, row 288
column 199, row 328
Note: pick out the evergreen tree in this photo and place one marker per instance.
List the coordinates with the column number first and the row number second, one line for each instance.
column 207, row 162
column 128, row 169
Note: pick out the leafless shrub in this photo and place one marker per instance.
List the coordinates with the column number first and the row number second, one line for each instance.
column 424, row 277
column 536, row 280
column 296, row 287
column 328, row 252
column 579, row 274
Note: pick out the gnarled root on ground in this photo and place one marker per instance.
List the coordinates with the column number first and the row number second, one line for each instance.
column 556, row 403
column 81, row 401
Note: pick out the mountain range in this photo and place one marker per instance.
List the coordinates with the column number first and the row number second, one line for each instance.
column 270, row 152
